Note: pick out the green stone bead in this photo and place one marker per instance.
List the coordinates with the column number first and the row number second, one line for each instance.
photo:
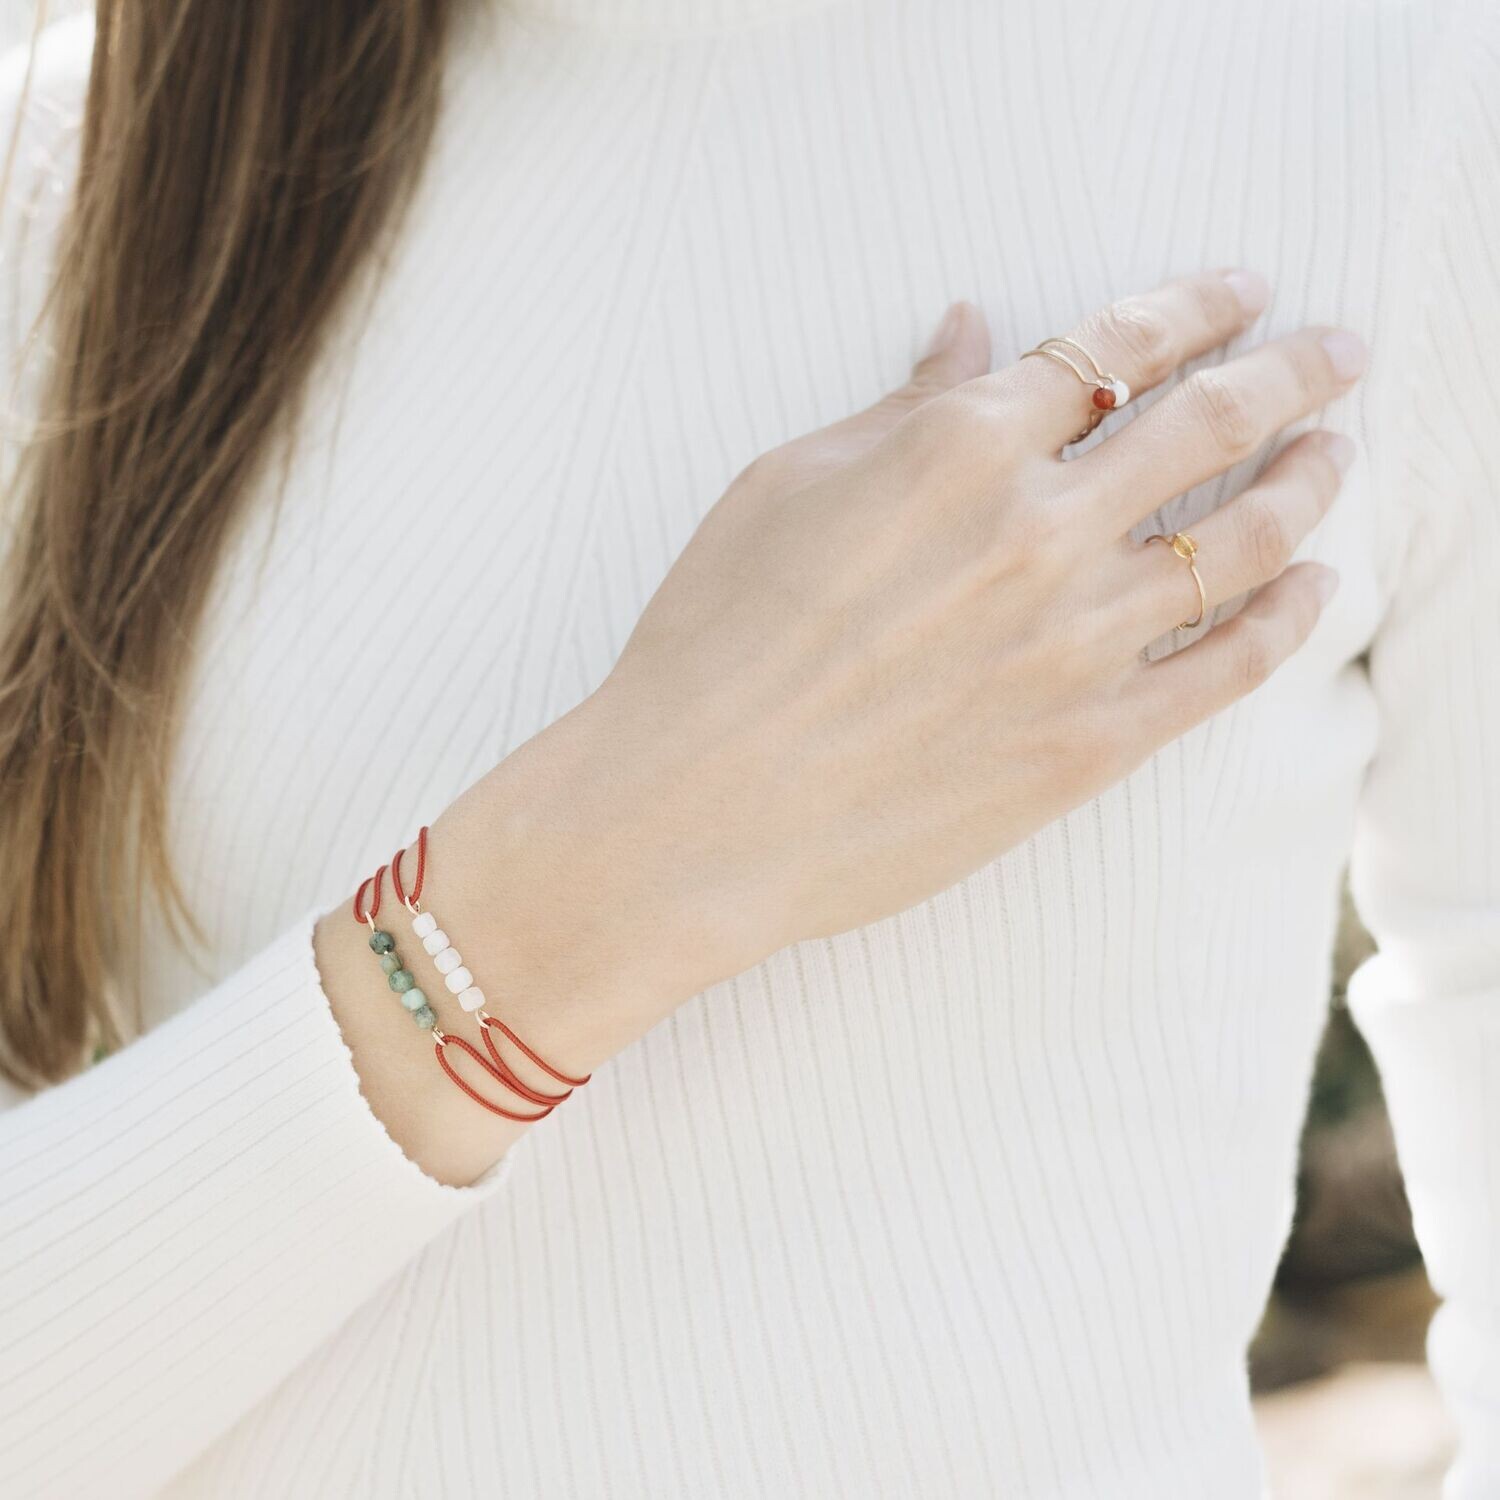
column 414, row 998
column 382, row 942
column 401, row 980
column 390, row 962
column 426, row 1017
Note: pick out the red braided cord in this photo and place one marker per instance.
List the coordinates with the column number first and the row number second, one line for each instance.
column 441, row 1048
column 546, row 1067
column 374, row 911
column 416, row 890
column 507, row 1074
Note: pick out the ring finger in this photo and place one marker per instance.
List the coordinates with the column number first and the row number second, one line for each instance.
column 1245, row 543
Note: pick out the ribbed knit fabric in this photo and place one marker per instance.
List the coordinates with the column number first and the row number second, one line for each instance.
column 983, row 1200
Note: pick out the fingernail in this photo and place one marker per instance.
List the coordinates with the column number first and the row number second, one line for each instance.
column 946, row 331
column 1250, row 291
column 1340, row 451
column 1346, row 353
column 1327, row 583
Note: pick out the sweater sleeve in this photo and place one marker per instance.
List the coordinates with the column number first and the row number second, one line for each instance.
column 185, row 1222
column 1426, row 867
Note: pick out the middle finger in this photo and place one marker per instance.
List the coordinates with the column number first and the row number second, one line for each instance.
column 1213, row 420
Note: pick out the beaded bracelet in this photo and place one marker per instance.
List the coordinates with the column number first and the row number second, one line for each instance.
column 460, row 982
column 383, row 945
column 404, row 983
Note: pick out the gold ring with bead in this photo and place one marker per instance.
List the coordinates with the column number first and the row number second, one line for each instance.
column 1187, row 549
column 1107, row 391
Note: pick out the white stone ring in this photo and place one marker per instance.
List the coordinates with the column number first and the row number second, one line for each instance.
column 1107, row 391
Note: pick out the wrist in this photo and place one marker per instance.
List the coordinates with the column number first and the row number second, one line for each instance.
column 583, row 925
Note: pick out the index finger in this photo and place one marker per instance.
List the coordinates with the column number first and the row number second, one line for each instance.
column 1138, row 341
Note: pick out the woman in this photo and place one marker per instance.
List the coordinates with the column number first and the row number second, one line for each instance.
column 938, row 886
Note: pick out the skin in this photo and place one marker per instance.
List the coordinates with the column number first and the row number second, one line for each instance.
column 894, row 649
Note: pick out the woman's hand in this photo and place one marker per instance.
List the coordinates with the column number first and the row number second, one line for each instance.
column 901, row 645
column 894, row 649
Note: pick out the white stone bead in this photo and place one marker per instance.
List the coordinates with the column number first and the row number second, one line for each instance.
column 472, row 998
column 435, row 942
column 459, row 980
column 423, row 923
column 447, row 961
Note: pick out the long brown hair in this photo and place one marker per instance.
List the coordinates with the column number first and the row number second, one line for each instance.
column 238, row 162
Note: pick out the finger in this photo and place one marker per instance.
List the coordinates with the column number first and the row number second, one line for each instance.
column 1215, row 418
column 1178, row 691
column 1139, row 341
column 1243, row 544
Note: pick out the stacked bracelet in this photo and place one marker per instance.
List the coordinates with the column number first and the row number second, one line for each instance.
column 459, row 982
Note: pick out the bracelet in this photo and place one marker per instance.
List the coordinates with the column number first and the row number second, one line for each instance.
column 459, row 980
column 404, row 983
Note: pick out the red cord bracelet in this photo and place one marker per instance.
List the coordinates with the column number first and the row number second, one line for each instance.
column 460, row 982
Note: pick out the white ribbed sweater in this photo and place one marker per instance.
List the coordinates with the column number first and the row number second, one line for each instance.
column 979, row 1201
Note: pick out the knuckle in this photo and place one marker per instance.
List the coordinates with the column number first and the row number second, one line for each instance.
column 1215, row 303
column 1321, row 475
column 894, row 405
column 928, row 379
column 1306, row 612
column 1265, row 535
column 924, row 432
column 765, row 472
column 1309, row 371
column 1224, row 411
column 1254, row 657
column 1142, row 332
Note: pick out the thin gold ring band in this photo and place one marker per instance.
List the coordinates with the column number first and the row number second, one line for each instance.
column 1187, row 549
column 1106, row 391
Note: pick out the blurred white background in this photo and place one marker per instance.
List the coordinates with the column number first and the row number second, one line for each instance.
column 18, row 16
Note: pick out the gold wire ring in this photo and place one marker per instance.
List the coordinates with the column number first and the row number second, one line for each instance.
column 1187, row 549
column 1106, row 391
